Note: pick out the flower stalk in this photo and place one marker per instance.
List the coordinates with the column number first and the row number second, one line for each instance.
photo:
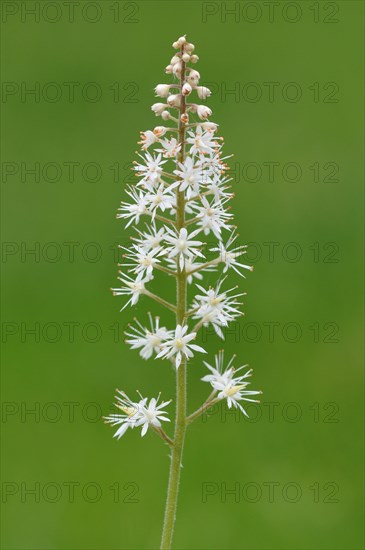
column 180, row 421
column 181, row 211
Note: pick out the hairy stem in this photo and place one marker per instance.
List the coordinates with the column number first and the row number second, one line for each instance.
column 180, row 421
column 161, row 433
column 209, row 403
column 160, row 300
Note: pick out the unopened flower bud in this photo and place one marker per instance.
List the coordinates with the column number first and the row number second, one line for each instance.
column 168, row 69
column 203, row 112
column 181, row 41
column 174, row 60
column 184, row 118
column 165, row 115
column 203, row 92
column 148, row 138
column 175, row 45
column 186, row 89
column 158, row 108
column 159, row 131
column 193, row 78
column 194, row 58
column 176, row 69
column 189, row 47
column 211, row 126
column 174, row 100
column 186, row 58
column 162, row 90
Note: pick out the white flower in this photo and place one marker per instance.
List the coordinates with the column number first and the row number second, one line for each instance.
column 149, row 340
column 181, row 246
column 158, row 108
column 203, row 112
column 203, row 92
column 137, row 414
column 219, row 374
column 149, row 239
column 229, row 257
column 234, row 392
column 190, row 175
column 217, row 308
column 162, row 90
column 136, row 210
column 212, row 217
column 147, row 139
column 160, row 198
column 202, row 142
column 132, row 287
column 229, row 386
column 128, row 419
column 179, row 345
column 218, row 187
column 151, row 169
column 143, row 261
column 151, row 414
column 171, row 147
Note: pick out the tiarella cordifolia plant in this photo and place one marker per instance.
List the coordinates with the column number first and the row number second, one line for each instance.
column 179, row 200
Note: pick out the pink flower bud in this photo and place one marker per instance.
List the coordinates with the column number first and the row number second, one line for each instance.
column 203, row 112
column 157, row 108
column 165, row 115
column 174, row 100
column 211, row 126
column 159, row 131
column 176, row 69
column 203, row 92
column 162, row 90
column 194, row 78
column 186, row 89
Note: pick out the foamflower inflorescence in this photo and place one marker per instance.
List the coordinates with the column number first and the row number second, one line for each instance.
column 183, row 228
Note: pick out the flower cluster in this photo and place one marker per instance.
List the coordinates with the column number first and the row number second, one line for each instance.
column 135, row 414
column 179, row 204
column 229, row 386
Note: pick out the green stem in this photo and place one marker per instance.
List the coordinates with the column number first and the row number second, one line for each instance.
column 180, row 422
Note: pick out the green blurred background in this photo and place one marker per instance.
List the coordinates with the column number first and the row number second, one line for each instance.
column 296, row 466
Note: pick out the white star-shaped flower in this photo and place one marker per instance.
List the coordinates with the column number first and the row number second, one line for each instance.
column 201, row 141
column 179, row 345
column 149, row 340
column 181, row 246
column 132, row 287
column 136, row 414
